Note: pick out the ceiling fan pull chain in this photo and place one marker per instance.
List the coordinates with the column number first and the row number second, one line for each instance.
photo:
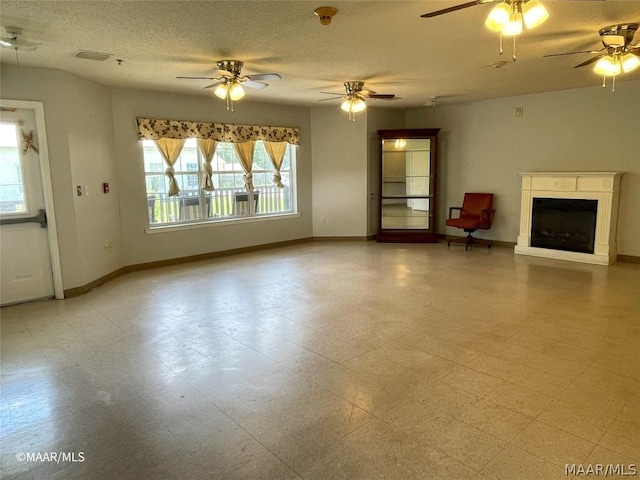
column 613, row 85
column 604, row 81
column 500, row 51
column 514, row 58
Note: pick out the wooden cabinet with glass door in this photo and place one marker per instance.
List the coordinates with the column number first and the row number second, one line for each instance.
column 408, row 184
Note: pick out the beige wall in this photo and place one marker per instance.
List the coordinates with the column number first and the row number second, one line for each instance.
column 484, row 146
column 339, row 152
column 346, row 166
column 141, row 247
column 81, row 152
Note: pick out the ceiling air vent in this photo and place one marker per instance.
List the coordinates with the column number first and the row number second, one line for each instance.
column 88, row 55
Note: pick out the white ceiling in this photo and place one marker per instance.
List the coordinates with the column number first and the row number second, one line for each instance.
column 384, row 43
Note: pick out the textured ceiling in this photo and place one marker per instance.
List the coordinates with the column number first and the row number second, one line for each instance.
column 384, row 43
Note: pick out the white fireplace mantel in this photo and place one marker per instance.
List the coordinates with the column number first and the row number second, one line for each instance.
column 601, row 186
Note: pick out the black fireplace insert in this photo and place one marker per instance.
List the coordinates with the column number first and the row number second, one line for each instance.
column 564, row 224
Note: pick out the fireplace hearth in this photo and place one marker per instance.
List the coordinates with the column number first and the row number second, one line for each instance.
column 570, row 216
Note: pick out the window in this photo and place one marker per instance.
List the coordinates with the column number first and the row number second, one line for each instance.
column 13, row 200
column 229, row 198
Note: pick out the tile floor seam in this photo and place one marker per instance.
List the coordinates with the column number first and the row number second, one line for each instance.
column 525, row 451
column 477, row 470
column 594, row 445
column 314, row 352
column 235, row 423
column 613, row 448
column 434, row 447
column 571, row 433
column 182, row 446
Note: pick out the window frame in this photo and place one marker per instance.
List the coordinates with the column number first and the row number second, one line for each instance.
column 201, row 216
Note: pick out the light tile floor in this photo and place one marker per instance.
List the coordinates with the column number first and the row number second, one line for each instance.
column 330, row 361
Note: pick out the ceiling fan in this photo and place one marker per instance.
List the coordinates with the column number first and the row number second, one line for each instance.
column 229, row 84
column 355, row 97
column 14, row 42
column 508, row 17
column 617, row 56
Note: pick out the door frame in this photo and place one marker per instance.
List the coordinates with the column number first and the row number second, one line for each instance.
column 45, row 173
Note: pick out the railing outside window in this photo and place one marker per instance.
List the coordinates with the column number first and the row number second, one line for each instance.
column 221, row 203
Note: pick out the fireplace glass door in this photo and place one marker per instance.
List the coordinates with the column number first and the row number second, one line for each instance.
column 564, row 224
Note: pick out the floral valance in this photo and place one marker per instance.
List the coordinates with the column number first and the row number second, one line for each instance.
column 154, row 129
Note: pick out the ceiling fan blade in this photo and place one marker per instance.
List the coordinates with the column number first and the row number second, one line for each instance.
column 18, row 43
column 214, row 85
column 333, row 93
column 264, row 76
column 252, row 84
column 454, row 8
column 325, row 99
column 572, row 53
column 382, row 96
column 591, row 60
column 224, row 73
column 199, row 78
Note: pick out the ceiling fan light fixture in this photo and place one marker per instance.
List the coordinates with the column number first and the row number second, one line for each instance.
column 5, row 43
column 608, row 66
column 236, row 92
column 514, row 25
column 534, row 14
column 353, row 105
column 221, row 91
column 498, row 17
column 358, row 106
column 629, row 62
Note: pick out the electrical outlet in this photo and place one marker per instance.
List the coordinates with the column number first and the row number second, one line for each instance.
column 519, row 112
column 323, row 219
column 86, row 190
column 108, row 247
column 79, row 190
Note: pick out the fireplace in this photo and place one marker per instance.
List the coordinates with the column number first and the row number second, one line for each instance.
column 564, row 224
column 569, row 216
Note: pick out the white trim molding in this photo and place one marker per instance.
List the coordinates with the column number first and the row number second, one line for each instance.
column 601, row 186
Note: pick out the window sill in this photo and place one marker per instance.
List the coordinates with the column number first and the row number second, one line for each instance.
column 208, row 224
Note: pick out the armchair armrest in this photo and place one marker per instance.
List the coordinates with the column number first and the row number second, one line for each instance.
column 487, row 215
column 451, row 209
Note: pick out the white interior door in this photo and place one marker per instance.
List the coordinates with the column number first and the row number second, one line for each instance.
column 25, row 259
